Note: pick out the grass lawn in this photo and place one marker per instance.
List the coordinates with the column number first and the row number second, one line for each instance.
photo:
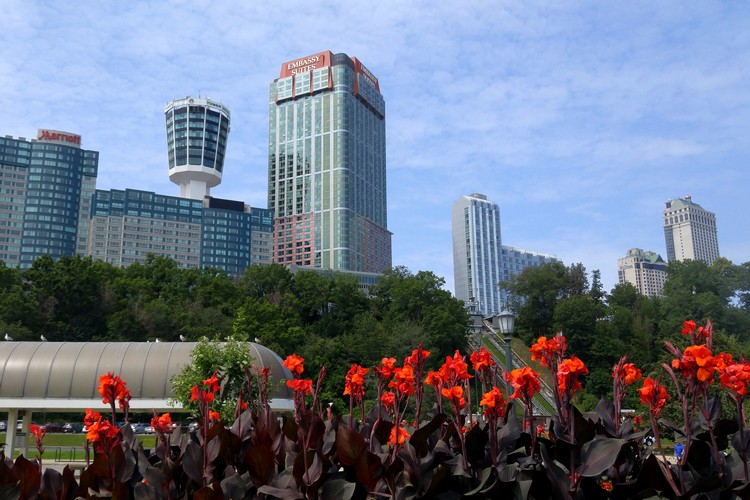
column 68, row 447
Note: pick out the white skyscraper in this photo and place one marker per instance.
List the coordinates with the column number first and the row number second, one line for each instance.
column 690, row 231
column 645, row 270
column 480, row 261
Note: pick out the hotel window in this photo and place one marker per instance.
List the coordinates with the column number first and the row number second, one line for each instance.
column 284, row 88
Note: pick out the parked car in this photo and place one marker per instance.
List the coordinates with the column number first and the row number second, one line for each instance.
column 139, row 427
column 72, row 428
column 52, row 427
column 3, row 425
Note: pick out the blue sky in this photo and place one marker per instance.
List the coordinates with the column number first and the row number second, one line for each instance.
column 580, row 119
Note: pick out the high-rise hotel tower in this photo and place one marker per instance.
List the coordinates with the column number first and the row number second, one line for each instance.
column 197, row 131
column 480, row 260
column 690, row 231
column 326, row 165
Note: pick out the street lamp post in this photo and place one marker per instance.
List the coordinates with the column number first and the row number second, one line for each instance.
column 507, row 323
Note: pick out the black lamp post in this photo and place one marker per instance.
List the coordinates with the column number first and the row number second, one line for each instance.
column 507, row 322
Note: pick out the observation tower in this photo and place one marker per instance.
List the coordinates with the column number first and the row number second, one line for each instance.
column 197, row 130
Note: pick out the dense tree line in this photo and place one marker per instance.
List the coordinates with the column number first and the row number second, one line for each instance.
column 324, row 317
column 602, row 327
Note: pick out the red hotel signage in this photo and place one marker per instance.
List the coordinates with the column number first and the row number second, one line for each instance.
column 45, row 135
column 306, row 64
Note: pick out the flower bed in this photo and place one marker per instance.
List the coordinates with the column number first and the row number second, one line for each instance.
column 397, row 449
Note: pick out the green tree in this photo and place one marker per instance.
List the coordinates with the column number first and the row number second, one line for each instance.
column 229, row 358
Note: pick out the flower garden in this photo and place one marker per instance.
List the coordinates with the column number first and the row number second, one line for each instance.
column 399, row 449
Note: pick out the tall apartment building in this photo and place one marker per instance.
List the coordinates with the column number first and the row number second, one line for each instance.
column 643, row 269
column 129, row 224
column 46, row 186
column 690, row 231
column 49, row 203
column 327, row 165
column 480, row 260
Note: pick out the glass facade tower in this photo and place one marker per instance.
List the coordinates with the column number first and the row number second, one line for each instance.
column 327, row 165
column 197, row 131
column 480, row 260
column 47, row 185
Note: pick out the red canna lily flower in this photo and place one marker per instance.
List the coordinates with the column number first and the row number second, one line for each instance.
column 295, row 364
column 546, row 351
column 206, row 395
column 162, row 424
column 355, row 382
column 434, row 379
column 526, row 383
column 403, row 380
column 734, row 376
column 386, row 368
column 482, row 360
column 301, row 386
column 697, row 363
column 398, row 435
column 113, row 388
column 454, row 370
column 417, row 356
column 456, row 396
column 388, row 399
column 654, row 395
column 688, row 327
column 494, row 403
column 568, row 373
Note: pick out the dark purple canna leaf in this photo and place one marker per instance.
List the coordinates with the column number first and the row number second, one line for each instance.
column 555, row 472
column 233, row 486
column 599, row 455
column 714, row 410
column 143, row 491
column 290, row 429
column 419, row 440
column 261, row 465
column 212, row 492
column 605, row 411
column 368, row 469
column 339, row 489
column 741, row 444
column 192, row 462
column 349, row 446
column 282, row 493
column 29, row 478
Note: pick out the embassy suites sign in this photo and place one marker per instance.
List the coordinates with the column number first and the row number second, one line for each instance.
column 306, row 64
column 66, row 138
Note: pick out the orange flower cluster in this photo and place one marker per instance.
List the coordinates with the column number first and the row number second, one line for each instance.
column 403, row 380
column 734, row 376
column 299, row 385
column 689, row 328
column 100, row 432
column 494, row 403
column 386, row 368
column 434, row 379
column 113, row 389
column 398, row 435
column 568, row 373
column 628, row 374
column 482, row 360
column 354, row 384
column 654, row 395
column 526, row 383
column 456, row 395
column 545, row 351
column 295, row 364
column 698, row 363
column 162, row 424
column 388, row 399
column 205, row 395
column 417, row 356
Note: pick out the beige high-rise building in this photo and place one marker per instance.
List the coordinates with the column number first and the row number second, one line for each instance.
column 690, row 231
column 645, row 270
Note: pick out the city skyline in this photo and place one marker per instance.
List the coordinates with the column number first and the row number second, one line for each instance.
column 578, row 121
